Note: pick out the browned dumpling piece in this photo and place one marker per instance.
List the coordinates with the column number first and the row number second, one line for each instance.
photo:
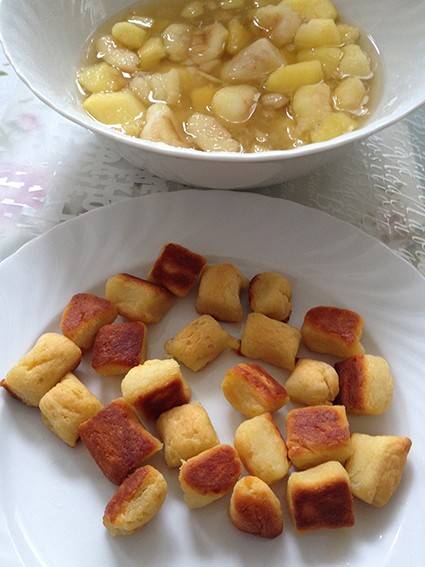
column 154, row 387
column 317, row 434
column 137, row 299
column 365, row 384
column 117, row 441
column 270, row 293
column 84, row 315
column 271, row 341
column 200, row 342
column 255, row 509
column 219, row 292
column 321, row 498
column 262, row 449
column 66, row 406
column 209, row 475
column 252, row 391
column 119, row 347
column 312, row 383
column 376, row 466
column 177, row 268
column 330, row 330
column 136, row 502
column 50, row 359
column 185, row 431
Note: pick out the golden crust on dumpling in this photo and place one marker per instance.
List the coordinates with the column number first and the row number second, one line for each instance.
column 136, row 502
column 209, row 475
column 365, row 384
column 331, row 330
column 117, row 440
column 253, row 391
column 320, row 498
column 84, row 315
column 255, row 509
column 177, row 268
column 155, row 387
column 119, row 347
column 316, row 434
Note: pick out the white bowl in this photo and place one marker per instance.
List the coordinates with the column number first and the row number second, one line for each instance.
column 43, row 40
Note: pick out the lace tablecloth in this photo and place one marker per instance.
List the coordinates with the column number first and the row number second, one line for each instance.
column 52, row 170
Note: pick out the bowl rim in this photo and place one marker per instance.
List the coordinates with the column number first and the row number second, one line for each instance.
column 366, row 130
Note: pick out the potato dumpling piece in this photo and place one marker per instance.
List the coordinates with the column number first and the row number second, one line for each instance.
column 270, row 293
column 317, row 33
column 137, row 299
column 136, row 502
column 235, row 104
column 193, row 10
column 219, row 292
column 162, row 87
column 376, row 466
column 231, row 4
column 354, row 62
column 255, row 509
column 238, row 38
column 123, row 59
column 317, row 434
column 83, row 317
column 177, row 38
column 365, row 384
column 162, row 126
column 252, row 391
column 329, row 58
column 288, row 78
column 151, row 53
column 210, row 135
column 186, row 431
column 350, row 94
column 210, row 475
column 332, row 125
column 320, row 498
column 117, row 441
column 66, row 406
column 200, row 342
column 309, row 9
column 201, row 97
column 310, row 105
column 262, row 449
column 269, row 340
column 312, row 383
column 101, row 77
column 348, row 34
column 177, row 268
column 208, row 43
column 118, row 109
column 155, row 387
column 255, row 61
column 129, row 34
column 281, row 22
column 49, row 360
column 118, row 347
column 332, row 330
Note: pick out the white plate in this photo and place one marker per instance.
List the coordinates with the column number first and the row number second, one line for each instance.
column 53, row 497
